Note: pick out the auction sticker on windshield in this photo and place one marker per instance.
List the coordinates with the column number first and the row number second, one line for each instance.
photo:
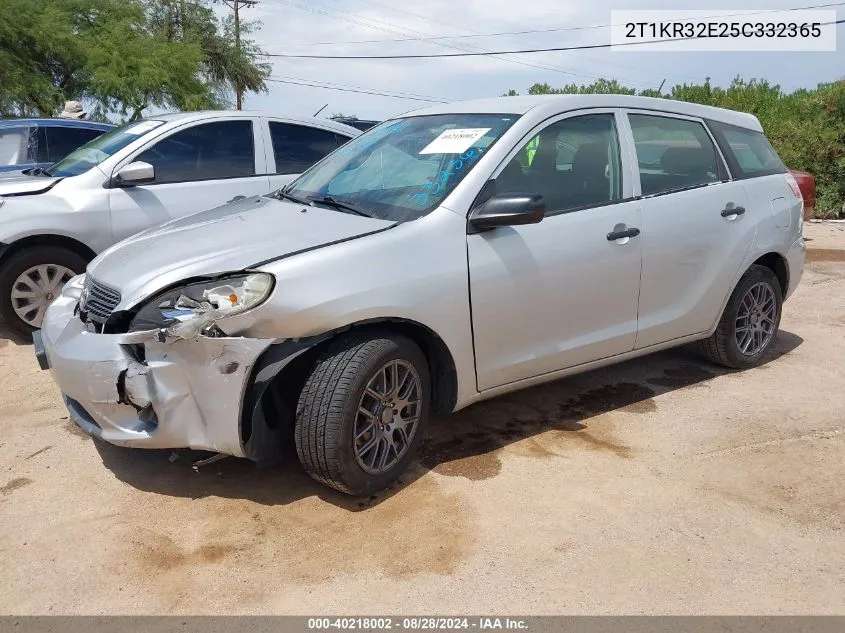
column 455, row 141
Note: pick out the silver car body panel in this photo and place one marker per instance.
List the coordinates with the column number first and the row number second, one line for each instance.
column 514, row 307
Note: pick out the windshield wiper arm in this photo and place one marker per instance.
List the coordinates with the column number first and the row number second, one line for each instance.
column 341, row 205
column 281, row 193
column 37, row 171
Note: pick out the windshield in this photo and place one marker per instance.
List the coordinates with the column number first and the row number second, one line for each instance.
column 95, row 152
column 402, row 169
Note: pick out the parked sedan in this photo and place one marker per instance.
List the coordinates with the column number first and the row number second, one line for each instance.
column 32, row 143
column 140, row 175
column 426, row 265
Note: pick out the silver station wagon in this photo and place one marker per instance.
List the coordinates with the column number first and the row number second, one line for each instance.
column 441, row 258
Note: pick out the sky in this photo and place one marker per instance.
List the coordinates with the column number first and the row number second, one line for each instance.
column 332, row 27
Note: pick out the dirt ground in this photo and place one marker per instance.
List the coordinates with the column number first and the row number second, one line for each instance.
column 663, row 485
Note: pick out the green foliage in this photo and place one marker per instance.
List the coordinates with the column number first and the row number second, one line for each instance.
column 806, row 127
column 121, row 56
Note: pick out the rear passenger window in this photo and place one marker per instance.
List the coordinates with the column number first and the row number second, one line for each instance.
column 672, row 154
column 297, row 147
column 223, row 149
column 573, row 163
column 749, row 153
column 61, row 141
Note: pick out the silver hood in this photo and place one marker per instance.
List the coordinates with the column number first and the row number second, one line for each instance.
column 229, row 238
column 17, row 184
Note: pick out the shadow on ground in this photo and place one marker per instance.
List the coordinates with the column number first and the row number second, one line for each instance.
column 463, row 444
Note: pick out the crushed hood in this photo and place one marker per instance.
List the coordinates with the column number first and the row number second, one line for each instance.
column 17, row 184
column 229, row 238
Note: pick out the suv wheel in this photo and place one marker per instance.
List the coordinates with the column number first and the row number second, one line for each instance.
column 749, row 323
column 29, row 281
column 362, row 412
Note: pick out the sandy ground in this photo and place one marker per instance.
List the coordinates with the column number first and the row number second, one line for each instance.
column 663, row 485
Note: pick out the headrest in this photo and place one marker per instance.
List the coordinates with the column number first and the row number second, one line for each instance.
column 688, row 160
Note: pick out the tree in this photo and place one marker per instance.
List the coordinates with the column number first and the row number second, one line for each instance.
column 123, row 56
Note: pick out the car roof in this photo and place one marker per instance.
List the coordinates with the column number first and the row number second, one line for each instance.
column 549, row 105
column 48, row 122
column 215, row 114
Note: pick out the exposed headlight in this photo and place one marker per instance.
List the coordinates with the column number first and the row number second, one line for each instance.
column 189, row 310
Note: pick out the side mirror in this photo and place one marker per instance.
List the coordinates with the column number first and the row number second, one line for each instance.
column 137, row 173
column 508, row 209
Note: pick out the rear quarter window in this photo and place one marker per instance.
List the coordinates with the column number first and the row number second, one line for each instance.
column 748, row 153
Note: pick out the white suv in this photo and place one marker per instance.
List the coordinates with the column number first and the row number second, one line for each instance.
column 441, row 258
column 142, row 174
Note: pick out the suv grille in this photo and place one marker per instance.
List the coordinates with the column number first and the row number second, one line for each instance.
column 97, row 301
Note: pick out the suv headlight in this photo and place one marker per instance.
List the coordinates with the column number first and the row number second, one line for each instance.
column 188, row 310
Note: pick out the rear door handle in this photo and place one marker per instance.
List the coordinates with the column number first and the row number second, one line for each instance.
column 729, row 211
column 235, row 199
column 618, row 235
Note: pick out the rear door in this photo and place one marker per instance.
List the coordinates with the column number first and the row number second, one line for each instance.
column 697, row 226
column 296, row 147
column 197, row 167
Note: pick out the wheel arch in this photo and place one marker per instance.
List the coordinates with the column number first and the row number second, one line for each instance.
column 46, row 239
column 777, row 263
column 278, row 375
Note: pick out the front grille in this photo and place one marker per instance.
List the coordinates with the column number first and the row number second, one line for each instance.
column 97, row 301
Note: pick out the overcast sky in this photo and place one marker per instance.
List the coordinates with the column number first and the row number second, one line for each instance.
column 303, row 26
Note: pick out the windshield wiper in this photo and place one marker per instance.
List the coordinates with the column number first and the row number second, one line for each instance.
column 281, row 194
column 37, row 171
column 341, row 206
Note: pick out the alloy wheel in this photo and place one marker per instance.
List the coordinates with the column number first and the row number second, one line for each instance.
column 756, row 319
column 387, row 417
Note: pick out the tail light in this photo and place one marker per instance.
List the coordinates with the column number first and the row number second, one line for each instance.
column 793, row 184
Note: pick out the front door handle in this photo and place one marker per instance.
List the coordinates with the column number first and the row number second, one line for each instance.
column 235, row 199
column 618, row 235
column 729, row 211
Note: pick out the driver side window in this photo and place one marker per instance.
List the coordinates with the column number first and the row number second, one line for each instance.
column 209, row 151
column 573, row 163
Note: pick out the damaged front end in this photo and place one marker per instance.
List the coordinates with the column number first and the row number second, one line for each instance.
column 172, row 378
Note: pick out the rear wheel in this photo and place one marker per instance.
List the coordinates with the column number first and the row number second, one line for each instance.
column 749, row 323
column 29, row 281
column 362, row 412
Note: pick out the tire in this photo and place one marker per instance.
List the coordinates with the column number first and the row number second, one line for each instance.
column 15, row 266
column 328, row 412
column 723, row 346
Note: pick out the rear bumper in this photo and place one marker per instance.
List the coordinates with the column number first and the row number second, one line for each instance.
column 132, row 390
column 795, row 260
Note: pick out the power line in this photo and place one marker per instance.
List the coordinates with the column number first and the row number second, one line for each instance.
column 581, row 47
column 366, row 91
column 403, row 93
column 474, row 33
column 342, row 15
column 529, row 31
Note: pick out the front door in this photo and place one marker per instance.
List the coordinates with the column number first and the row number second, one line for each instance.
column 196, row 168
column 562, row 292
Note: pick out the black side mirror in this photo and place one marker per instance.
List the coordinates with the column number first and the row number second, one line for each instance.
column 508, row 209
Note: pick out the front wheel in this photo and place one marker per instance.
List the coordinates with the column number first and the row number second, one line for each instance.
column 749, row 323
column 29, row 281
column 362, row 412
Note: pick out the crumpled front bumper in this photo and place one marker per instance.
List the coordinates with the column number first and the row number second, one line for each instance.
column 133, row 390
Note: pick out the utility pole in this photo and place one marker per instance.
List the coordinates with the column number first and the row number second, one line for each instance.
column 235, row 4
